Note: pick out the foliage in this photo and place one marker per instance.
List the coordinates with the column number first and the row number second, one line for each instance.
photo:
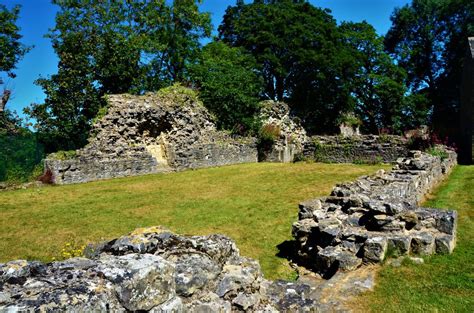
column 350, row 120
column 11, row 49
column 228, row 86
column 297, row 48
column 254, row 204
column 177, row 94
column 109, row 47
column 269, row 133
column 19, row 156
column 71, row 250
column 438, row 152
column 62, row 155
column 100, row 114
column 428, row 38
column 377, row 86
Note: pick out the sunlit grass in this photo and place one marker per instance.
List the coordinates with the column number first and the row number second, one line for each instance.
column 255, row 204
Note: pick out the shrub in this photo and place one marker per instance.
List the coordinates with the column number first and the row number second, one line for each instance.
column 63, row 155
column 178, row 95
column 100, row 114
column 71, row 250
column 19, row 155
column 438, row 152
column 269, row 133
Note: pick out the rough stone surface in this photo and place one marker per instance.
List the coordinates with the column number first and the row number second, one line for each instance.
column 356, row 149
column 156, row 132
column 376, row 216
column 292, row 135
column 151, row 270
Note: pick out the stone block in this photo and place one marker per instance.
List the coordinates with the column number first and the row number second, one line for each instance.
column 348, row 261
column 445, row 244
column 375, row 249
column 306, row 208
column 446, row 222
column 423, row 244
column 399, row 245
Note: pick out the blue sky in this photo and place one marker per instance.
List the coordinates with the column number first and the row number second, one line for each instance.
column 37, row 16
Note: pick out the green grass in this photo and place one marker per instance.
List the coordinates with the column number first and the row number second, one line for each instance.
column 444, row 283
column 255, row 204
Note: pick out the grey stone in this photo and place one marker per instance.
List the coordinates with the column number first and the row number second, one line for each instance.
column 423, row 243
column 143, row 281
column 375, row 249
column 399, row 245
column 447, row 222
column 445, row 244
column 307, row 208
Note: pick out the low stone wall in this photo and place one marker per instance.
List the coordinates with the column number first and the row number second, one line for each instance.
column 85, row 169
column 216, row 154
column 357, row 149
column 373, row 217
column 150, row 270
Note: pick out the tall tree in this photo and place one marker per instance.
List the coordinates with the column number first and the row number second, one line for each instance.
column 297, row 48
column 228, row 86
column 11, row 51
column 377, row 84
column 428, row 38
column 107, row 47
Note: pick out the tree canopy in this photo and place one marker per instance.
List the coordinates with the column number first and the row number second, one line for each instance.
column 109, row 47
column 428, row 38
column 229, row 86
column 11, row 51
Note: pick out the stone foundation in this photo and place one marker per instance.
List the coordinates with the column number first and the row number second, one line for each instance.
column 356, row 149
column 378, row 216
column 151, row 270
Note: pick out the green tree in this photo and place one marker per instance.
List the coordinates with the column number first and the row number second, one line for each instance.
column 228, row 86
column 11, row 51
column 109, row 47
column 428, row 38
column 297, row 47
column 377, row 84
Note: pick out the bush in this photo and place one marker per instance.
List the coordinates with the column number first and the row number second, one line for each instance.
column 438, row 152
column 229, row 87
column 63, row 155
column 19, row 156
column 269, row 133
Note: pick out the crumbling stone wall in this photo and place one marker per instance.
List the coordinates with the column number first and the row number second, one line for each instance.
column 356, row 149
column 151, row 270
column 292, row 136
column 375, row 216
column 157, row 132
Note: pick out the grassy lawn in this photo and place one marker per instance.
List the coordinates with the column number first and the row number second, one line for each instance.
column 443, row 283
column 255, row 204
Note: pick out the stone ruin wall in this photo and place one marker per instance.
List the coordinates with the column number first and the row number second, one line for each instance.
column 157, row 133
column 377, row 216
column 151, row 134
column 291, row 138
column 150, row 270
column 356, row 149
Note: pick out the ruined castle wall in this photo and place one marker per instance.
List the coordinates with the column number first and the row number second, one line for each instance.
column 215, row 154
column 357, row 149
column 153, row 133
column 363, row 221
column 80, row 170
